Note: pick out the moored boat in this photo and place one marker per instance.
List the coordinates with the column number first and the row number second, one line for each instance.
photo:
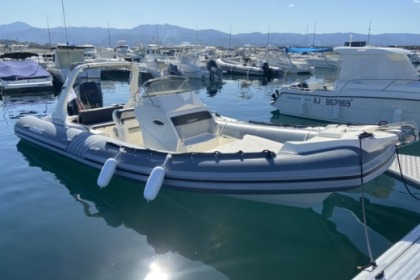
column 237, row 68
column 165, row 136
column 21, row 74
column 375, row 85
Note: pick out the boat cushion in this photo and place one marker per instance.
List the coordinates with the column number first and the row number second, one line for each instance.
column 97, row 115
column 250, row 143
column 126, row 124
column 194, row 124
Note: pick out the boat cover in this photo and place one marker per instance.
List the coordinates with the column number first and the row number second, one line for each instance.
column 18, row 69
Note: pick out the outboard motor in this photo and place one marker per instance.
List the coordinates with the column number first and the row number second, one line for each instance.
column 173, row 70
column 90, row 95
column 211, row 65
column 268, row 72
column 275, row 95
column 214, row 69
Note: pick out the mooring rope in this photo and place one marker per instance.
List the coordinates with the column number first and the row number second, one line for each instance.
column 372, row 262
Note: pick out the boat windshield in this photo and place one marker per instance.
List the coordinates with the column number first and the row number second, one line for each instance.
column 168, row 85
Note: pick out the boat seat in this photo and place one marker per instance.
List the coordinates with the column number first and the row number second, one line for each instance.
column 196, row 131
column 126, row 125
column 97, row 115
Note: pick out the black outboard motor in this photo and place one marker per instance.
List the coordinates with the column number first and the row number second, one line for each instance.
column 211, row 65
column 214, row 70
column 275, row 95
column 90, row 95
column 268, row 72
column 87, row 95
column 173, row 70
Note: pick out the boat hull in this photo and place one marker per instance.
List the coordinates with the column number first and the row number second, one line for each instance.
column 257, row 173
column 356, row 107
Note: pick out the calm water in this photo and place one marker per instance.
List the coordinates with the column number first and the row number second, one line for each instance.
column 57, row 224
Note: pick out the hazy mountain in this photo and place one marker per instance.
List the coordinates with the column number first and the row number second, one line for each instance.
column 165, row 34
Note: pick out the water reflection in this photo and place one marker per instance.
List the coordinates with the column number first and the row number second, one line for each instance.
column 15, row 107
column 241, row 239
column 156, row 272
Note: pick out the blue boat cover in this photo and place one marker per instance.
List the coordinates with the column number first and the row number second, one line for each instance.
column 306, row 50
column 18, row 69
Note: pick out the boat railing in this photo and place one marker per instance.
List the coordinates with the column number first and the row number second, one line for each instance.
column 377, row 84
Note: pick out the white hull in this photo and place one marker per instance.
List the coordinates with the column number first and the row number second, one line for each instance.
column 352, row 106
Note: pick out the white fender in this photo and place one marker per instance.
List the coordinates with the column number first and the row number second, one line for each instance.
column 107, row 171
column 154, row 183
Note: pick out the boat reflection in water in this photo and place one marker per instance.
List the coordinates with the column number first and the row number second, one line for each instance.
column 17, row 106
column 391, row 212
column 226, row 238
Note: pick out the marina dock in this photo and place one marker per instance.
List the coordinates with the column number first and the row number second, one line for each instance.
column 410, row 169
column 401, row 261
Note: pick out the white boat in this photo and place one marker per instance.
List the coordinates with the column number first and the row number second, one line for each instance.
column 65, row 57
column 187, row 67
column 165, row 136
column 315, row 57
column 281, row 59
column 122, row 50
column 183, row 60
column 375, row 85
column 21, row 74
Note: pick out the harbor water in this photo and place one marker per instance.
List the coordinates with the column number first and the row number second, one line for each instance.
column 56, row 223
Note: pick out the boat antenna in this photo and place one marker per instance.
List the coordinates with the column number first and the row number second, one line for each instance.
column 65, row 25
column 370, row 24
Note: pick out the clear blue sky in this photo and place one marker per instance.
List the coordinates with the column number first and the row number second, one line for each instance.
column 235, row 16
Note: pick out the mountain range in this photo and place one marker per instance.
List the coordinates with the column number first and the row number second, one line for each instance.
column 166, row 34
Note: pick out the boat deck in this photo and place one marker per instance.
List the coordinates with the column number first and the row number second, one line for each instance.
column 401, row 261
column 410, row 167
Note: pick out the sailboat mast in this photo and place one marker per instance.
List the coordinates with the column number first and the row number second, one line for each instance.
column 49, row 34
column 230, row 37
column 65, row 25
column 370, row 24
column 109, row 36
column 313, row 40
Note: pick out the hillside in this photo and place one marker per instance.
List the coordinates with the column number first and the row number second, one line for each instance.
column 167, row 34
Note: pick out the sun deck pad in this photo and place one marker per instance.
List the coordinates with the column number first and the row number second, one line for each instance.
column 339, row 131
column 374, row 142
column 248, row 144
